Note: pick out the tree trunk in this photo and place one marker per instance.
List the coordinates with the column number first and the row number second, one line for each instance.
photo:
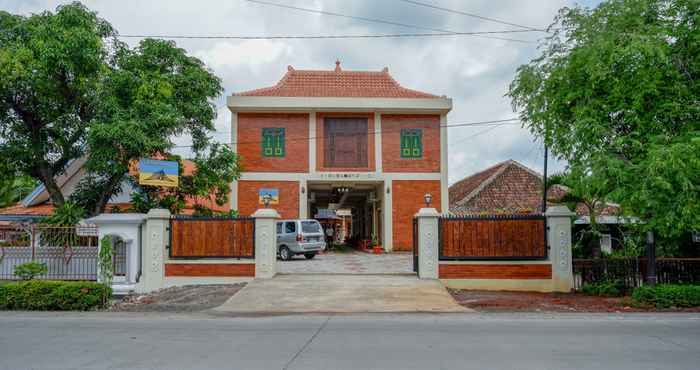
column 106, row 195
column 55, row 194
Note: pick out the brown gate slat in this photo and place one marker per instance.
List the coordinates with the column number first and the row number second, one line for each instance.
column 212, row 237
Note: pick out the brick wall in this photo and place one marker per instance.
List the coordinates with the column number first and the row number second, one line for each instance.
column 391, row 143
column 320, row 144
column 289, row 197
column 249, row 140
column 407, row 199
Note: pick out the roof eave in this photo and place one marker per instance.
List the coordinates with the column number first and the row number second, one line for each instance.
column 237, row 103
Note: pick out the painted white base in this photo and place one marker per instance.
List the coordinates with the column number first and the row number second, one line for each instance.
column 121, row 289
column 203, row 280
column 522, row 285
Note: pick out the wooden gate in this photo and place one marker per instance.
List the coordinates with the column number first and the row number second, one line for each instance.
column 493, row 237
column 212, row 237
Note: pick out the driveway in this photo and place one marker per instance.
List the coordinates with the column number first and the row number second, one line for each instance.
column 349, row 263
column 317, row 293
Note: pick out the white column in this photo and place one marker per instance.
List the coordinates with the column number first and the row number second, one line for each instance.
column 303, row 199
column 444, row 192
column 428, row 243
column 559, row 242
column 378, row 142
column 387, row 213
column 312, row 142
column 265, row 243
column 234, row 147
column 153, row 257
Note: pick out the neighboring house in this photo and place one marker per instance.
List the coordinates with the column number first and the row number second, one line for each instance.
column 37, row 204
column 511, row 187
column 337, row 139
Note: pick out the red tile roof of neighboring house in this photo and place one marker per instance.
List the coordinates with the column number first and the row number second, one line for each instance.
column 20, row 210
column 337, row 83
column 509, row 187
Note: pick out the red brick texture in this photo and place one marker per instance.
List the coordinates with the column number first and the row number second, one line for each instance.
column 407, row 199
column 495, row 271
column 296, row 142
column 391, row 143
column 320, row 143
column 289, row 197
column 210, row 269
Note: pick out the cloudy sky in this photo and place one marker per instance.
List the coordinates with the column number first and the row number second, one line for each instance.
column 473, row 71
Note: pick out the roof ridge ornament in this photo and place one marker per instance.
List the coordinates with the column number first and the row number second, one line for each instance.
column 337, row 65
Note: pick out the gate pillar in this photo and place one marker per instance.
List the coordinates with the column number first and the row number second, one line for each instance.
column 155, row 238
column 265, row 243
column 428, row 243
column 559, row 242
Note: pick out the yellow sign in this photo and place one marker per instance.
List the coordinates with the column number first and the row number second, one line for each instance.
column 158, row 173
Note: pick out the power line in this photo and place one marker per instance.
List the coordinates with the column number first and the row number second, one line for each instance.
column 494, row 123
column 320, row 37
column 374, row 20
column 471, row 15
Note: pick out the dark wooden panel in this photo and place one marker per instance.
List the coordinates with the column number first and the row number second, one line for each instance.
column 486, row 237
column 192, row 237
column 346, row 142
column 495, row 271
column 210, row 269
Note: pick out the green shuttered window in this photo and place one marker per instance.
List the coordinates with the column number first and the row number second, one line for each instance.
column 411, row 143
column 273, row 142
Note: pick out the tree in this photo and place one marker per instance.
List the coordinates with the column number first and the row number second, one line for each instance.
column 70, row 89
column 14, row 186
column 616, row 89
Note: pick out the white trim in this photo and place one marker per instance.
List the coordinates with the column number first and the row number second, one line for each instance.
column 303, row 199
column 312, row 141
column 345, row 104
column 234, row 195
column 378, row 142
column 444, row 189
column 234, row 132
column 319, row 176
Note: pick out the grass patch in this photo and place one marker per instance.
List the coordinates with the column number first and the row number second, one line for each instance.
column 667, row 296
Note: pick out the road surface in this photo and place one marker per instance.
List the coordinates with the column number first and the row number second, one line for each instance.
column 401, row 341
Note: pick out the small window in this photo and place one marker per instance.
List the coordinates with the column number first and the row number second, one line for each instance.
column 310, row 227
column 279, row 228
column 273, row 142
column 290, row 227
column 411, row 143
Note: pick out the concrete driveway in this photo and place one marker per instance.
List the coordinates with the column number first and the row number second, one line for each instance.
column 352, row 262
column 317, row 293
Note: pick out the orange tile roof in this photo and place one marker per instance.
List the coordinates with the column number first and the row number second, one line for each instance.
column 337, row 83
column 20, row 210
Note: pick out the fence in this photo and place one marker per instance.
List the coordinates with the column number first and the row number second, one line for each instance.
column 212, row 237
column 69, row 252
column 632, row 272
column 495, row 237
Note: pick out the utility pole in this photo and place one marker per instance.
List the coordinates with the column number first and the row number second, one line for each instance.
column 544, row 180
column 651, row 259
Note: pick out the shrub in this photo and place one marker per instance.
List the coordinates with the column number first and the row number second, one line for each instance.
column 667, row 295
column 48, row 295
column 605, row 288
column 30, row 270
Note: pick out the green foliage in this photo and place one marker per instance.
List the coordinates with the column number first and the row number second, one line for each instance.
column 70, row 89
column 605, row 288
column 209, row 181
column 667, row 296
column 614, row 92
column 44, row 295
column 68, row 213
column 13, row 185
column 30, row 270
column 105, row 265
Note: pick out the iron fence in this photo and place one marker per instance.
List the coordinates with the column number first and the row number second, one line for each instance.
column 69, row 252
column 632, row 271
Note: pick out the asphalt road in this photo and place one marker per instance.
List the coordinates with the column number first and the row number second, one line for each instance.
column 421, row 341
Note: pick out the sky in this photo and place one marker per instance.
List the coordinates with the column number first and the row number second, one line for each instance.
column 474, row 71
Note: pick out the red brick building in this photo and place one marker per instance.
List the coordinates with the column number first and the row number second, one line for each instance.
column 337, row 139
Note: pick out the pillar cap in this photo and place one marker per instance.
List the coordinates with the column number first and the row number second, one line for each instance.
column 156, row 213
column 559, row 211
column 428, row 212
column 266, row 213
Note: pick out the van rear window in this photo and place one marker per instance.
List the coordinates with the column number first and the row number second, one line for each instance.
column 310, row 227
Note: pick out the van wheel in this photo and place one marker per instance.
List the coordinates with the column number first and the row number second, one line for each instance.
column 310, row 255
column 285, row 253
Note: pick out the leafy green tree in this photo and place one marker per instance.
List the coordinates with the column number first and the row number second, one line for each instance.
column 70, row 89
column 615, row 93
column 13, row 185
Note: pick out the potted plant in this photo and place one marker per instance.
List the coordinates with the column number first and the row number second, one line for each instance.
column 376, row 246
